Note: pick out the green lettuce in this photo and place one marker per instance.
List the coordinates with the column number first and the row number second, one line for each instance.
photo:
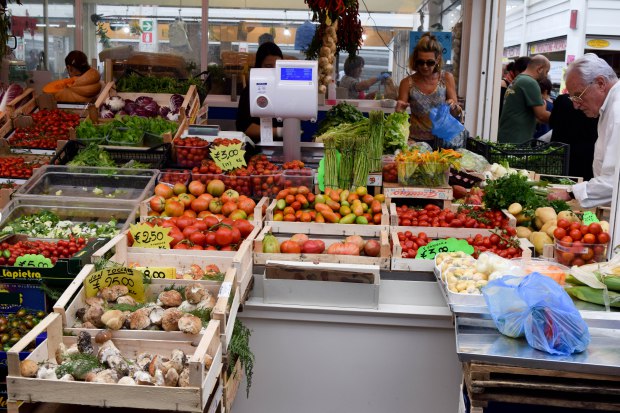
column 396, row 128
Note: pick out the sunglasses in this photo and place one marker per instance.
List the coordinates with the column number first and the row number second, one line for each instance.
column 579, row 99
column 429, row 63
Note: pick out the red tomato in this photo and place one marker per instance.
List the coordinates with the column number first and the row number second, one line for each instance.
column 595, row 228
column 575, row 234
column 589, row 238
column 290, row 247
column 559, row 232
column 603, row 238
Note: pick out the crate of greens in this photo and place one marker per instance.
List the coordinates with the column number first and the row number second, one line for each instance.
column 79, row 154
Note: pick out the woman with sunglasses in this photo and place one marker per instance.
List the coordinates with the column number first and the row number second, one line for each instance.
column 427, row 88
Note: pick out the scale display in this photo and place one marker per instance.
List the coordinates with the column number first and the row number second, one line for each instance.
column 296, row 74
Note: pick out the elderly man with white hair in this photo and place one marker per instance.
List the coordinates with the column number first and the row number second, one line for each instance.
column 594, row 89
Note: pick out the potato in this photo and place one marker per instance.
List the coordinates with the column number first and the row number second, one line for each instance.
column 515, row 208
column 545, row 214
column 569, row 216
column 523, row 232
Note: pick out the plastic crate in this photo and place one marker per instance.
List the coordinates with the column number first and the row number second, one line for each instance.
column 155, row 157
column 545, row 158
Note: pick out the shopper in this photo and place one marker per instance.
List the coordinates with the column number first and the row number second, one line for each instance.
column 594, row 89
column 513, row 69
column 83, row 84
column 523, row 104
column 545, row 92
column 428, row 87
column 573, row 127
column 266, row 56
column 351, row 81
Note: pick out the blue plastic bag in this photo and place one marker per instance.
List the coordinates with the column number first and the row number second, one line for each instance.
column 538, row 308
column 445, row 126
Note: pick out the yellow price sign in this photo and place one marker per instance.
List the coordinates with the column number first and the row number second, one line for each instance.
column 145, row 236
column 228, row 157
column 158, row 273
column 129, row 277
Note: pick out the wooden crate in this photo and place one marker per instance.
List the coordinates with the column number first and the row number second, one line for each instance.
column 231, row 384
column 328, row 237
column 6, row 125
column 541, row 177
column 23, row 104
column 259, row 214
column 449, row 231
column 188, row 110
column 5, row 196
column 391, row 190
column 409, row 264
column 348, row 229
column 74, row 298
column 117, row 250
column 191, row 399
column 570, row 390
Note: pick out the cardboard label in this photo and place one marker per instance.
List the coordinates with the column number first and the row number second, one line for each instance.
column 228, row 157
column 32, row 260
column 375, row 179
column 225, row 289
column 14, row 296
column 145, row 236
column 158, row 273
column 433, row 248
column 128, row 277
column 589, row 217
column 420, row 193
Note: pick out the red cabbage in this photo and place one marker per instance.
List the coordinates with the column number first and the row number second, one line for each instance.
column 130, row 107
column 143, row 100
column 176, row 101
column 163, row 111
column 11, row 93
column 152, row 108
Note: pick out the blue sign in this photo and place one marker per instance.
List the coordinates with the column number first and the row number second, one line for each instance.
column 445, row 39
column 296, row 74
column 14, row 296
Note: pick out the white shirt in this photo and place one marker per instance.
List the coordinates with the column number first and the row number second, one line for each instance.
column 598, row 190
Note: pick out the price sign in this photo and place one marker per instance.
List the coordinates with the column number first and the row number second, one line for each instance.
column 228, row 157
column 589, row 217
column 158, row 273
column 225, row 289
column 145, row 236
column 433, row 248
column 32, row 260
column 130, row 278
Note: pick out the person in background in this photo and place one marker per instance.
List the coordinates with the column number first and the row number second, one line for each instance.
column 594, row 89
column 545, row 91
column 513, row 69
column 356, row 88
column 83, row 84
column 427, row 88
column 266, row 56
column 523, row 104
column 572, row 126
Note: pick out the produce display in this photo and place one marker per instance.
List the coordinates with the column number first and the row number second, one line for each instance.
column 8, row 93
column 14, row 326
column 302, row 244
column 19, row 167
column 191, row 150
column 48, row 127
column 465, row 217
column 143, row 106
column 426, row 169
column 585, row 283
column 299, row 204
column 104, row 363
column 54, row 250
column 124, row 130
column 578, row 244
column 152, row 84
column 174, row 176
column 46, row 224
column 95, row 155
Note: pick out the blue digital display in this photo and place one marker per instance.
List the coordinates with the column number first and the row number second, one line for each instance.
column 296, row 74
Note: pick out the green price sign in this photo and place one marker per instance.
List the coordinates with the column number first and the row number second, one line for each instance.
column 433, row 248
column 228, row 157
column 32, row 260
column 589, row 217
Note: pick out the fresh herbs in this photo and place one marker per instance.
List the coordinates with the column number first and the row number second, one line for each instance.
column 339, row 114
column 204, row 314
column 239, row 348
column 511, row 188
column 151, row 84
column 78, row 365
column 93, row 155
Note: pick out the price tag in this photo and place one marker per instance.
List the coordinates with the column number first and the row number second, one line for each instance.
column 32, row 260
column 157, row 273
column 588, row 218
column 128, row 277
column 145, row 236
column 228, row 157
column 375, row 180
column 433, row 248
column 225, row 290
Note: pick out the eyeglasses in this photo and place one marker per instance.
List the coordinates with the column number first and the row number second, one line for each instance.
column 579, row 99
column 429, row 63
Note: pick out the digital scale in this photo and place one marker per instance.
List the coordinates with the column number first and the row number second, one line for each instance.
column 288, row 92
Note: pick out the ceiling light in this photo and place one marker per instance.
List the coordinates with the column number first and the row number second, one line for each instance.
column 363, row 36
column 287, row 32
column 126, row 29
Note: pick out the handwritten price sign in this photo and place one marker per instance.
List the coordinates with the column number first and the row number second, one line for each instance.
column 158, row 272
column 130, row 278
column 228, row 157
column 433, row 248
column 589, row 217
column 32, row 260
column 145, row 236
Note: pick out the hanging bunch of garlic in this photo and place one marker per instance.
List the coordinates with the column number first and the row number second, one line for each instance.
column 327, row 56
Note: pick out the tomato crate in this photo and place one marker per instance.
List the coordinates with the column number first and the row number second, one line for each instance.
column 60, row 274
column 173, row 176
column 410, row 264
column 225, row 309
column 118, row 250
column 155, row 157
column 24, row 104
column 241, row 184
column 6, row 125
column 18, row 166
column 329, row 235
column 203, row 375
column 188, row 110
column 544, row 158
column 459, row 232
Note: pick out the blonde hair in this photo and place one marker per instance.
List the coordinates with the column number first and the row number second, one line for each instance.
column 427, row 43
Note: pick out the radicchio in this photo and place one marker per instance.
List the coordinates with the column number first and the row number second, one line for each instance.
column 115, row 103
column 152, row 108
column 143, row 100
column 176, row 101
column 163, row 111
column 130, row 107
column 106, row 113
column 11, row 93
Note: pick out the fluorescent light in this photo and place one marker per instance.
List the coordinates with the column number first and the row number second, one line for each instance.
column 287, row 32
column 71, row 25
column 126, row 29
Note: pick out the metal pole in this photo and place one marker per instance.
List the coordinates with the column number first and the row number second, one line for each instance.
column 204, row 28
column 45, row 35
column 78, row 15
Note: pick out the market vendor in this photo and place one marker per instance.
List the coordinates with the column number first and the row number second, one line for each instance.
column 594, row 89
column 352, row 82
column 83, row 84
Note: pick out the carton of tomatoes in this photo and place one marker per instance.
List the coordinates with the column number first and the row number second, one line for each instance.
column 579, row 244
column 190, row 151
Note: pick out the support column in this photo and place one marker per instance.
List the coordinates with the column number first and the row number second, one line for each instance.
column 204, row 45
column 523, row 49
column 576, row 38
